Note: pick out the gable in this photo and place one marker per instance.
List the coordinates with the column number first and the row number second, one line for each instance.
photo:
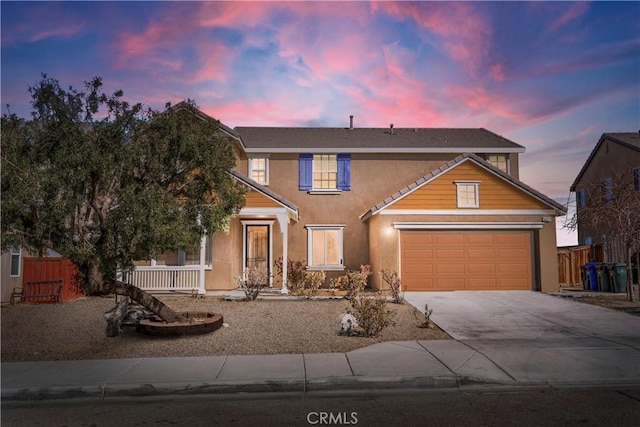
column 253, row 199
column 493, row 191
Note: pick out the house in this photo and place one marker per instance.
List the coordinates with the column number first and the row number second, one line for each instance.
column 614, row 161
column 443, row 207
column 11, row 269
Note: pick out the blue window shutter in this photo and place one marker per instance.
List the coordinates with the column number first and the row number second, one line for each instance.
column 305, row 169
column 344, row 172
column 636, row 179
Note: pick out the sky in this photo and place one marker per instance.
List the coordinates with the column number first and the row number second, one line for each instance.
column 552, row 76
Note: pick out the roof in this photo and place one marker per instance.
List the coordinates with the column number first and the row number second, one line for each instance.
column 374, row 140
column 630, row 140
column 267, row 192
column 184, row 105
column 450, row 165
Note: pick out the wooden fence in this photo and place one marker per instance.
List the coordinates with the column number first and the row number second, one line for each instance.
column 572, row 258
column 45, row 269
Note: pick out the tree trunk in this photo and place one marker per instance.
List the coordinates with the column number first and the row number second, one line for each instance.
column 97, row 282
column 115, row 316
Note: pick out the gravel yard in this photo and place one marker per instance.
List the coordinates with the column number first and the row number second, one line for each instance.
column 75, row 330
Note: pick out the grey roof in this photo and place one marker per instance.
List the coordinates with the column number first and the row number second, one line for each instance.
column 402, row 192
column 183, row 105
column 276, row 139
column 630, row 140
column 267, row 192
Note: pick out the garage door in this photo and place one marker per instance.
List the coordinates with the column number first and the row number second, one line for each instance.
column 465, row 260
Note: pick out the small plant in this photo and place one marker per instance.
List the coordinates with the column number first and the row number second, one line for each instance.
column 353, row 281
column 313, row 280
column 252, row 281
column 426, row 323
column 296, row 273
column 391, row 278
column 371, row 314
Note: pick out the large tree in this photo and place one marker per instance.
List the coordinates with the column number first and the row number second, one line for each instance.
column 104, row 182
column 612, row 209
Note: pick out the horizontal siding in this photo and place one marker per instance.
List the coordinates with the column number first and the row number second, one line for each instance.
column 493, row 192
column 256, row 200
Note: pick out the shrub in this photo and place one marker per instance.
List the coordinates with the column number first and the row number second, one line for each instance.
column 371, row 314
column 426, row 323
column 392, row 279
column 296, row 273
column 313, row 280
column 354, row 281
column 252, row 281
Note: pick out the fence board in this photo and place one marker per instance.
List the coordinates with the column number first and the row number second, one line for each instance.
column 44, row 269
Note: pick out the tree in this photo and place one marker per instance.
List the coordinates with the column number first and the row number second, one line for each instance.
column 104, row 182
column 613, row 209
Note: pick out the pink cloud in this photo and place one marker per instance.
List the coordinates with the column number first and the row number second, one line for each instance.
column 576, row 10
column 465, row 32
column 63, row 30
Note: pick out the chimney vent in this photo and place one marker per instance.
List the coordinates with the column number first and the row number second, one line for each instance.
column 391, row 129
column 351, row 122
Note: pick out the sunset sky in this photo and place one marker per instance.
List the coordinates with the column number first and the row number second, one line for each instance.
column 552, row 76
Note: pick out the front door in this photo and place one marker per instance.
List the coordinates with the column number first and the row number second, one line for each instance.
column 257, row 246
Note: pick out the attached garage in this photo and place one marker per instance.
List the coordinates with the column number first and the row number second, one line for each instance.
column 466, row 260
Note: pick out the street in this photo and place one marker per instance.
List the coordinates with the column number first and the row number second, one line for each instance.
column 513, row 406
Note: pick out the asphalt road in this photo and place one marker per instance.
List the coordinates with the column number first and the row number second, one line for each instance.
column 542, row 406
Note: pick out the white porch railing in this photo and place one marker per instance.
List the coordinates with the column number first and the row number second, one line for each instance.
column 165, row 278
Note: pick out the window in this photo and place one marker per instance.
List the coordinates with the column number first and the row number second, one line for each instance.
column 15, row 261
column 467, row 194
column 581, row 198
column 185, row 257
column 606, row 187
column 325, row 173
column 636, row 179
column 500, row 161
column 325, row 246
column 259, row 169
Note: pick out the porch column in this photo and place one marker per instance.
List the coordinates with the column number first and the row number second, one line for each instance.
column 203, row 242
column 283, row 220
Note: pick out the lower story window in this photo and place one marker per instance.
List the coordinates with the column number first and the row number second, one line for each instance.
column 16, row 253
column 325, row 246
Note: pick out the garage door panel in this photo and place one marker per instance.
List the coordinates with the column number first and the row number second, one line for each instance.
column 456, row 260
column 481, row 269
column 481, row 253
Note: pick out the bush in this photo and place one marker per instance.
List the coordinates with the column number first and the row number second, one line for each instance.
column 296, row 273
column 313, row 280
column 252, row 281
column 392, row 279
column 371, row 314
column 353, row 281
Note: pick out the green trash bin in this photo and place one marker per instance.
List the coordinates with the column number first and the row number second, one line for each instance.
column 602, row 270
column 620, row 277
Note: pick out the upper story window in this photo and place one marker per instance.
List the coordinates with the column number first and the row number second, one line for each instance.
column 325, row 246
column 467, row 192
column 259, row 169
column 500, row 161
column 636, row 178
column 606, row 188
column 325, row 173
column 16, row 253
column 581, row 198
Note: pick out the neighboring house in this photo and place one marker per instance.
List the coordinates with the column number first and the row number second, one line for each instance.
column 615, row 157
column 443, row 207
column 11, row 268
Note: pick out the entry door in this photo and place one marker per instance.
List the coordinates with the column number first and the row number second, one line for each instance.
column 257, row 246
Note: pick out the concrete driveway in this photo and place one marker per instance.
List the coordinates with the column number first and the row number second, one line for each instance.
column 499, row 315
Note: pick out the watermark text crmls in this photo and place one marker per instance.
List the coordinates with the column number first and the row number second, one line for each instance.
column 332, row 418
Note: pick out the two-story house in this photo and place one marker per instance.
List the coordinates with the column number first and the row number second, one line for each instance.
column 613, row 163
column 443, row 207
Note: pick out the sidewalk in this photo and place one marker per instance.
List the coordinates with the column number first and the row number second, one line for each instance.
column 412, row 364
